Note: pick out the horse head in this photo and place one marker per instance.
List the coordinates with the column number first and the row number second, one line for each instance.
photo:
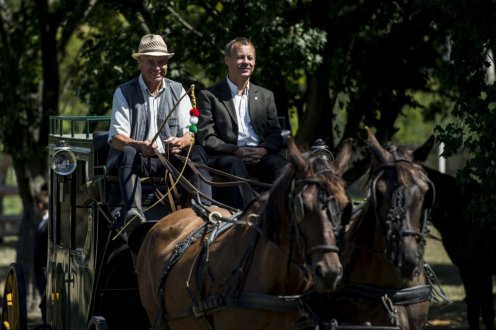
column 401, row 196
column 312, row 213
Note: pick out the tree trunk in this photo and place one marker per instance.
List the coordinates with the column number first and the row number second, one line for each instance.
column 5, row 162
column 316, row 121
column 30, row 177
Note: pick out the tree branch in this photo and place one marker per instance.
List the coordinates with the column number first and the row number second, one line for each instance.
column 183, row 22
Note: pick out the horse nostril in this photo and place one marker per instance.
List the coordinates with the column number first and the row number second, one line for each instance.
column 319, row 272
column 327, row 278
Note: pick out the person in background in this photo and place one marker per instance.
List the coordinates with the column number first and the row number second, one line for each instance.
column 139, row 108
column 238, row 125
column 41, row 246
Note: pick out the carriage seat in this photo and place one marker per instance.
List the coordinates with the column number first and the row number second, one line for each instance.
column 111, row 193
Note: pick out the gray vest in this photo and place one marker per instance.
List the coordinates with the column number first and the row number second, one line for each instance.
column 138, row 115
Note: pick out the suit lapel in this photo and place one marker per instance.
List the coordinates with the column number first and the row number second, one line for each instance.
column 254, row 106
column 227, row 100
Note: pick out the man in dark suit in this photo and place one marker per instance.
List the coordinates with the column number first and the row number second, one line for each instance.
column 238, row 125
column 41, row 202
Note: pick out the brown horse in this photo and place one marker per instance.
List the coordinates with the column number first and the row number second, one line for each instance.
column 470, row 246
column 250, row 271
column 384, row 282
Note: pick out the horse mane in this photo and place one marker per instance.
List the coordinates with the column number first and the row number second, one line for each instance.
column 276, row 210
column 355, row 229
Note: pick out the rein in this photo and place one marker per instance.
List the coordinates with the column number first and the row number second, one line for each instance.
column 192, row 190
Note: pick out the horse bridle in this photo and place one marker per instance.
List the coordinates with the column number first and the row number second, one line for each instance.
column 391, row 228
column 329, row 203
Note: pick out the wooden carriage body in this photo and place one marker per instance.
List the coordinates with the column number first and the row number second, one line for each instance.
column 91, row 279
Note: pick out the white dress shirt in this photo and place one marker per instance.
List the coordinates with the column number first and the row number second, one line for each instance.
column 246, row 134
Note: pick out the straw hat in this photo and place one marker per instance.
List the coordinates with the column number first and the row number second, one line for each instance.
column 152, row 45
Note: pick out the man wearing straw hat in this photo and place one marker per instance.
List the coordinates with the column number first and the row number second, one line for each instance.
column 139, row 109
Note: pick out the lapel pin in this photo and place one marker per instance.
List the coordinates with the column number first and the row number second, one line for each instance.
column 256, row 97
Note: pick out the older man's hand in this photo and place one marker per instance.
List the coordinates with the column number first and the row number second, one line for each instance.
column 177, row 144
column 146, row 148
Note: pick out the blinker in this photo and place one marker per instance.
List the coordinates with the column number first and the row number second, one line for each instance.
column 298, row 208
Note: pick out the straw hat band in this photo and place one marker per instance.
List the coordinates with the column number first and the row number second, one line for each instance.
column 149, row 50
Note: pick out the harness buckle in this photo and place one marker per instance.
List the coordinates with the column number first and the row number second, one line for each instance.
column 212, row 217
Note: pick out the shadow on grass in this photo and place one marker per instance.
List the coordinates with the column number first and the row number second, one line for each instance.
column 443, row 315
column 450, row 316
column 447, row 274
column 447, row 316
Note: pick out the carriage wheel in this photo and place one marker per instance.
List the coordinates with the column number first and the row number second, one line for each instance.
column 14, row 312
column 97, row 323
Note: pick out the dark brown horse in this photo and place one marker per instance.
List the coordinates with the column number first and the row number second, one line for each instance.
column 250, row 271
column 470, row 247
column 384, row 282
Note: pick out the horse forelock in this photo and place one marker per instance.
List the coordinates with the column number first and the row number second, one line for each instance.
column 405, row 172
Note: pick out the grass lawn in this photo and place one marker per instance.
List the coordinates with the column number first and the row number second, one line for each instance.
column 444, row 315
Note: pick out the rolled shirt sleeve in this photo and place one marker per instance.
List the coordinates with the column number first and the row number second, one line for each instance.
column 120, row 120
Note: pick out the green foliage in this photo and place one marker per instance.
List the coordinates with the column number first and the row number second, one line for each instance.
column 19, row 87
column 471, row 41
column 402, row 67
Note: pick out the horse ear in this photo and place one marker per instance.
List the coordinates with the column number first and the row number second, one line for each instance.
column 343, row 156
column 377, row 150
column 296, row 156
column 421, row 153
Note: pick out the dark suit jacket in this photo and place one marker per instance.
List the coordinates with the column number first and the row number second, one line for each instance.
column 218, row 124
column 41, row 256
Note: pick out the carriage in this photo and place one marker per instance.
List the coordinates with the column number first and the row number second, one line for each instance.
column 92, row 280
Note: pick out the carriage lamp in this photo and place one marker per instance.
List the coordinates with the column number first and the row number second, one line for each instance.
column 64, row 161
column 320, row 149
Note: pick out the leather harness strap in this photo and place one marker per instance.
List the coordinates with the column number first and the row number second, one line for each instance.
column 186, row 184
column 403, row 296
column 246, row 300
column 235, row 298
